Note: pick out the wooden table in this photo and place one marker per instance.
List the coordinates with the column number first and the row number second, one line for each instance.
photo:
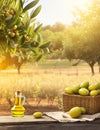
column 28, row 122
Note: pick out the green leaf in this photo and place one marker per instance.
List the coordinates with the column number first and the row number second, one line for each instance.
column 25, row 46
column 38, row 57
column 39, row 38
column 36, row 11
column 18, row 6
column 30, row 31
column 12, row 4
column 44, row 45
column 38, row 28
column 21, row 3
column 32, row 20
column 30, row 5
column 26, row 18
column 15, row 20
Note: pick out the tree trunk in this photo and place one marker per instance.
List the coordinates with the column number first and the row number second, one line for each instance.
column 18, row 65
column 18, row 69
column 99, row 66
column 92, row 68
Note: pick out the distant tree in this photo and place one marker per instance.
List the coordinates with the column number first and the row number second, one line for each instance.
column 57, row 27
column 91, row 23
column 56, row 34
column 84, row 41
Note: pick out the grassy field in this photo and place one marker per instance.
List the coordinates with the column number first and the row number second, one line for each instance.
column 43, row 84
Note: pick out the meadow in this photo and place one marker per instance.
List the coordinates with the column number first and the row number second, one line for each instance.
column 44, row 86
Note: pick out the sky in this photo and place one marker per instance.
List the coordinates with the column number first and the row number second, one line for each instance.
column 54, row 11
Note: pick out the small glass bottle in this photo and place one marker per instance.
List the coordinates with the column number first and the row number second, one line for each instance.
column 18, row 109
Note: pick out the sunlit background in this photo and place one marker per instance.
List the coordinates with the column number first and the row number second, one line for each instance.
column 54, row 11
column 74, row 52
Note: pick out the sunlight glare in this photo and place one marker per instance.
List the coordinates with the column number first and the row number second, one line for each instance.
column 81, row 4
column 69, row 6
column 61, row 10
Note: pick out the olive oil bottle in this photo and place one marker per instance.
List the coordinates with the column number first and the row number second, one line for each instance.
column 18, row 109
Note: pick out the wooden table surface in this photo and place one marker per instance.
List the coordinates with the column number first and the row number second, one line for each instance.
column 28, row 122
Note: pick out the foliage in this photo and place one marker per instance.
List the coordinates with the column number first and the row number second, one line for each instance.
column 84, row 40
column 58, row 27
column 19, row 33
column 79, row 40
column 57, row 35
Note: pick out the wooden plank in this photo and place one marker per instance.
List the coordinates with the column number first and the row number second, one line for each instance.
column 28, row 122
column 54, row 126
column 25, row 119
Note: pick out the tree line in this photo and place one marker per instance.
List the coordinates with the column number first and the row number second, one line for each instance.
column 80, row 40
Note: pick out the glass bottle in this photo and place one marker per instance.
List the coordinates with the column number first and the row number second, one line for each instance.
column 18, row 109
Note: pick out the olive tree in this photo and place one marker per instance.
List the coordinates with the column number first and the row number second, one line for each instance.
column 84, row 43
column 20, row 38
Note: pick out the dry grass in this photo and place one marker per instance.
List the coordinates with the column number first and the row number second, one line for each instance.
column 41, row 85
column 40, row 82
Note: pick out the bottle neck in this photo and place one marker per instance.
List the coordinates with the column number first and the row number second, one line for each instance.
column 18, row 98
column 18, row 101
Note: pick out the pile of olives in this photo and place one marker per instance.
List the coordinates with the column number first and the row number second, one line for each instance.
column 84, row 89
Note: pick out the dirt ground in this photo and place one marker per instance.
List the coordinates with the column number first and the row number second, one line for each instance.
column 30, row 107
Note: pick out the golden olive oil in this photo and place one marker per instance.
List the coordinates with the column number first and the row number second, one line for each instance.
column 18, row 109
